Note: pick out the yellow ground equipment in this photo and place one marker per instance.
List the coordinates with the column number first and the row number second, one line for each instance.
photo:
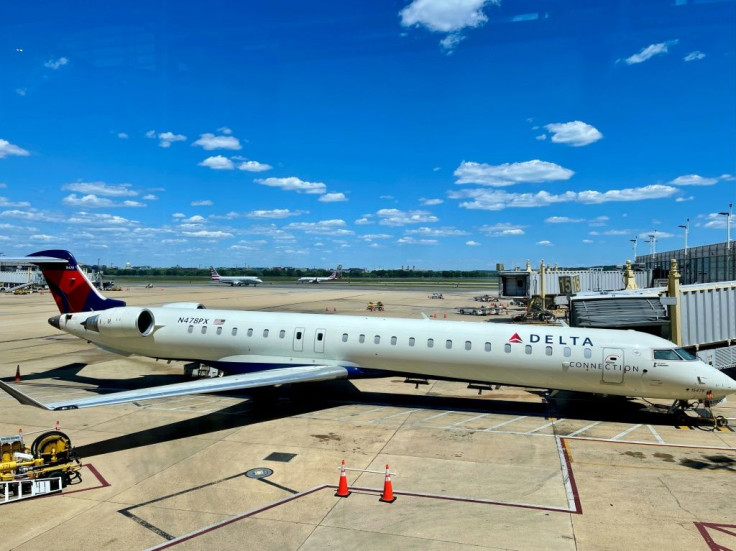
column 47, row 466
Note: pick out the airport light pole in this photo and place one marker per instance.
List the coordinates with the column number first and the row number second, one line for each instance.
column 686, row 227
column 634, row 241
column 686, row 266
column 728, row 237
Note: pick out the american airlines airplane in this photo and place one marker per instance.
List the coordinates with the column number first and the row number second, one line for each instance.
column 234, row 280
column 313, row 279
column 257, row 349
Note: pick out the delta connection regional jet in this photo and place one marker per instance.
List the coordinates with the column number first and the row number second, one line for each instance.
column 257, row 349
column 234, row 280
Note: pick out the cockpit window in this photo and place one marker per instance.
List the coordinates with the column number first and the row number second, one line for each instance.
column 685, row 355
column 674, row 354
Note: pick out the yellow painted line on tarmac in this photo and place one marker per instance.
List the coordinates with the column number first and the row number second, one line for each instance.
column 567, row 450
column 684, row 427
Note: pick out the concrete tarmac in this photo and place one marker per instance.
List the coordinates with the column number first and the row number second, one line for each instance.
column 259, row 470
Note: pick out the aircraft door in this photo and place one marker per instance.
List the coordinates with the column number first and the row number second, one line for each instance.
column 613, row 366
column 298, row 339
column 319, row 340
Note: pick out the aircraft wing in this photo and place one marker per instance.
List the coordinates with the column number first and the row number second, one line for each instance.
column 298, row 374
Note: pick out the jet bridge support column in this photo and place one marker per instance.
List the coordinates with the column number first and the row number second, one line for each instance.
column 673, row 290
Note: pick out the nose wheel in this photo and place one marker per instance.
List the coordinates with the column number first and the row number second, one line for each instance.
column 687, row 413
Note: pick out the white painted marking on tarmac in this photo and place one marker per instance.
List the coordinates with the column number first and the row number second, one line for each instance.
column 435, row 416
column 505, row 423
column 407, row 412
column 544, row 426
column 657, row 436
column 586, row 427
column 565, row 475
column 469, row 420
column 627, row 431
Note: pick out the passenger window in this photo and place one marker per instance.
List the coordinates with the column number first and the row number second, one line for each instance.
column 567, row 352
column 527, row 348
column 282, row 334
column 219, row 330
column 507, row 348
column 265, row 333
column 204, row 329
column 298, row 335
column 190, row 328
column 393, row 340
column 430, row 343
column 235, row 331
column 587, row 352
column 448, row 344
column 548, row 350
column 468, row 345
column 411, row 341
column 361, row 339
column 344, row 337
column 320, row 337
column 488, row 347
column 250, row 332
column 377, row 339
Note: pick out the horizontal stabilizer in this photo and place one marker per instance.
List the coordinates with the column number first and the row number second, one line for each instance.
column 298, row 374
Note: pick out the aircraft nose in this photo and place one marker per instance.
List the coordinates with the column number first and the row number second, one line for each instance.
column 55, row 321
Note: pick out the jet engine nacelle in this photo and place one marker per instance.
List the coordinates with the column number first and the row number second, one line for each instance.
column 122, row 322
column 187, row 305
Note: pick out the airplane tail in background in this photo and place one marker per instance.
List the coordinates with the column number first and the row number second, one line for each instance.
column 71, row 289
column 214, row 276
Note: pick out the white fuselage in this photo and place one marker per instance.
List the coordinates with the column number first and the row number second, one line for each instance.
column 587, row 360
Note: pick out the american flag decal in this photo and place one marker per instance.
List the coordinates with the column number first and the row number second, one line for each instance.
column 219, row 321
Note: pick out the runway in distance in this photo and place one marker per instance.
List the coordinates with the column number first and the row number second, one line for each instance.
column 234, row 280
column 313, row 279
column 256, row 349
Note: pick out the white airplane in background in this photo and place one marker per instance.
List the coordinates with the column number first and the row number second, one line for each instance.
column 314, row 279
column 257, row 349
column 234, row 280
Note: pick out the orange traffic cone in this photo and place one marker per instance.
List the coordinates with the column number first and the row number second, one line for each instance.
column 342, row 487
column 388, row 492
column 17, row 374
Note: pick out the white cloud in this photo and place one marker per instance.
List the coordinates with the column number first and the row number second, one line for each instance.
column 150, row 197
column 224, row 130
column 101, row 188
column 502, row 230
column 541, row 137
column 21, row 91
column 208, row 234
column 563, row 220
column 430, row 202
column 333, row 198
column 56, row 63
column 7, row 148
column 650, row 51
column 412, row 241
column 575, row 133
column 123, row 135
column 151, row 134
column 446, row 16
column 45, row 238
column 167, row 138
column 5, row 202
column 484, row 199
column 100, row 219
column 218, row 162
column 472, row 243
column 202, row 203
column 274, row 213
column 334, row 227
column 94, row 202
column 693, row 180
column 293, row 183
column 363, row 221
column 436, row 232
column 509, row 174
column 587, row 241
column 3, row 185
column 195, row 219
column 254, row 166
column 544, row 243
column 694, row 56
column 210, row 141
column 395, row 217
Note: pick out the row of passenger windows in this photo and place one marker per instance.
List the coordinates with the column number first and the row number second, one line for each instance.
column 566, row 351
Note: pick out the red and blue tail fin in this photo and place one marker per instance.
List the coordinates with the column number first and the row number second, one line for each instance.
column 71, row 289
column 213, row 274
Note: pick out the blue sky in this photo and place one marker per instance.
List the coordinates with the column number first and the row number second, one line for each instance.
column 441, row 134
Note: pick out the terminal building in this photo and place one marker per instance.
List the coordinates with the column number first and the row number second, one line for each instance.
column 704, row 264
